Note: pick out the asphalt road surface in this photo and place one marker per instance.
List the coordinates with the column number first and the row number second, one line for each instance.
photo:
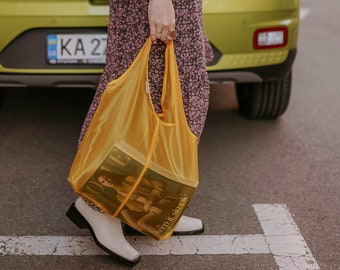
column 269, row 190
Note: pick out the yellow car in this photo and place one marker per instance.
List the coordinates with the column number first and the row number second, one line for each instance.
column 62, row 44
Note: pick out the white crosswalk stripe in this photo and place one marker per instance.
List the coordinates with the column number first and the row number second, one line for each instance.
column 281, row 238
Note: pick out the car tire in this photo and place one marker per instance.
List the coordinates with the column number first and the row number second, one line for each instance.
column 265, row 100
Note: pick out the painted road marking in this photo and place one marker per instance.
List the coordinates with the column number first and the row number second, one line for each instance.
column 281, row 238
column 184, row 245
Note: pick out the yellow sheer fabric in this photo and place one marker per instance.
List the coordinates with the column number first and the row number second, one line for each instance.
column 135, row 164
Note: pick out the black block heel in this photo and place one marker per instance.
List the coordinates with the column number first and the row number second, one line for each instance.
column 76, row 217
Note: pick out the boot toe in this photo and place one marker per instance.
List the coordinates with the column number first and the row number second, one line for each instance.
column 189, row 225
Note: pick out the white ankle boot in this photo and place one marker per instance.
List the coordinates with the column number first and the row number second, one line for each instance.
column 187, row 225
column 106, row 231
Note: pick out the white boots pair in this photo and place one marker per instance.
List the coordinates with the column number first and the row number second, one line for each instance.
column 108, row 234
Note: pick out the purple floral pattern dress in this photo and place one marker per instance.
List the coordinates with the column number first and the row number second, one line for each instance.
column 127, row 32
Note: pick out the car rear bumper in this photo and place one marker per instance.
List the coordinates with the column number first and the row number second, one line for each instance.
column 255, row 74
column 44, row 80
column 246, row 75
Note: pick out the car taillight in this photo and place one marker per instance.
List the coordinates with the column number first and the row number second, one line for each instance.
column 266, row 38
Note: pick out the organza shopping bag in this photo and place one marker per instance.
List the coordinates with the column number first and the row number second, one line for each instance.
column 134, row 163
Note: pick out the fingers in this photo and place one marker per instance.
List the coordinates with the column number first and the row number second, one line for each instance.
column 171, row 35
column 153, row 34
column 165, row 34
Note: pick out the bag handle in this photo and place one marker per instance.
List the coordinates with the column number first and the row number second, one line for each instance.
column 171, row 100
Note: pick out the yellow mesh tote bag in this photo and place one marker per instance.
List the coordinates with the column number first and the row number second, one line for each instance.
column 137, row 165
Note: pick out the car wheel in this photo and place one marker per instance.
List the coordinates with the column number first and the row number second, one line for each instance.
column 266, row 100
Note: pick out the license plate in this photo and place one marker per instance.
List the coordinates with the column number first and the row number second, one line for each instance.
column 76, row 48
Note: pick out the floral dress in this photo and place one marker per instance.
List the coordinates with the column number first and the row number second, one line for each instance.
column 128, row 30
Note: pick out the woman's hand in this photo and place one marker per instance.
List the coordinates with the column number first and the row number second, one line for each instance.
column 161, row 20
